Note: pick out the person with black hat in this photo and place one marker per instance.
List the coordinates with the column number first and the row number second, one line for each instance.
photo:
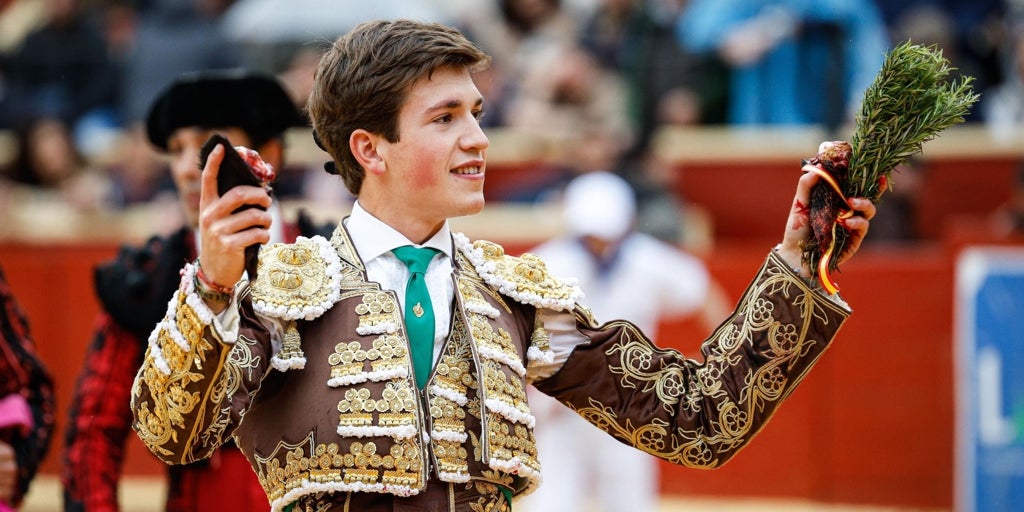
column 385, row 369
column 252, row 110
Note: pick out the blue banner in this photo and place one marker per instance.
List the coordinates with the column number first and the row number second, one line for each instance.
column 989, row 363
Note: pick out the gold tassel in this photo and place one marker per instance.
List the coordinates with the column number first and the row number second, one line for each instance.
column 291, row 346
column 540, row 338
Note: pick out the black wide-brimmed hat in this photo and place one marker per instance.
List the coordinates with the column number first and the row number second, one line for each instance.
column 252, row 101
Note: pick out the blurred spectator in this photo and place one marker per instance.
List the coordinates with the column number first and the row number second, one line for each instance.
column 565, row 96
column 564, row 90
column 307, row 181
column 662, row 211
column 297, row 76
column 1003, row 106
column 497, row 85
column 26, row 402
column 971, row 34
column 174, row 37
column 531, row 25
column 62, row 71
column 514, row 33
column 1008, row 219
column 665, row 82
column 49, row 163
column 138, row 175
column 627, row 275
column 17, row 19
column 792, row 62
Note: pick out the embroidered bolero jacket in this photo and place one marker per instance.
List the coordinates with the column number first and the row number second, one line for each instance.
column 317, row 388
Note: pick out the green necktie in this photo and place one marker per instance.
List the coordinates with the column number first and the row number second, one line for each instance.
column 419, row 314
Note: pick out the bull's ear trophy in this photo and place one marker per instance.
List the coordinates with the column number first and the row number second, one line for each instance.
column 910, row 101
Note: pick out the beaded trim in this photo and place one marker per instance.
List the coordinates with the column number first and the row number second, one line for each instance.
column 525, row 279
column 169, row 323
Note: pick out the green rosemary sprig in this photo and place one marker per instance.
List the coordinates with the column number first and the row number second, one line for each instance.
column 909, row 102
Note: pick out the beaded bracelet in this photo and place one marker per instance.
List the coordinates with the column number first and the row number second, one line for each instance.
column 209, row 290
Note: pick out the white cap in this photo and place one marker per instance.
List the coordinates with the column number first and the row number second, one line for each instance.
column 599, row 204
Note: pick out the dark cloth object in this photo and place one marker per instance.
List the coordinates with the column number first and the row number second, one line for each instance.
column 240, row 98
column 234, row 171
column 24, row 374
column 135, row 287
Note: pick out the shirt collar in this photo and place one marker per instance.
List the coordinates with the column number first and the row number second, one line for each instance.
column 373, row 238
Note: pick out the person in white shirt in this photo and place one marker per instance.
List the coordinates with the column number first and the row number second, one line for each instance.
column 625, row 274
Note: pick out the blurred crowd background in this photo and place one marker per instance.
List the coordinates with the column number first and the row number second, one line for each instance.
column 599, row 76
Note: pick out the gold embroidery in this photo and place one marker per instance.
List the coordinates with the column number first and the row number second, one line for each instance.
column 506, row 438
column 512, row 441
column 388, row 351
column 291, row 344
column 490, row 497
column 297, row 277
column 503, row 388
column 540, row 338
column 357, row 407
column 471, row 287
column 158, row 422
column 729, row 426
column 307, row 462
column 527, row 275
column 502, row 443
column 377, row 312
column 453, row 374
column 485, row 336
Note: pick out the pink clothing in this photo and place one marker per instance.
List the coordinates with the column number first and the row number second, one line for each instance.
column 14, row 412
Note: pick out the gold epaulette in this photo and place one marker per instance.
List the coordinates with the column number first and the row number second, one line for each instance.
column 525, row 278
column 297, row 281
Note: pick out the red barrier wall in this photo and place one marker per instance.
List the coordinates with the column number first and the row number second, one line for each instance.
column 731, row 192
column 53, row 284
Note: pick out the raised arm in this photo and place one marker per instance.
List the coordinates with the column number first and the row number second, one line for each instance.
column 700, row 413
column 198, row 373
